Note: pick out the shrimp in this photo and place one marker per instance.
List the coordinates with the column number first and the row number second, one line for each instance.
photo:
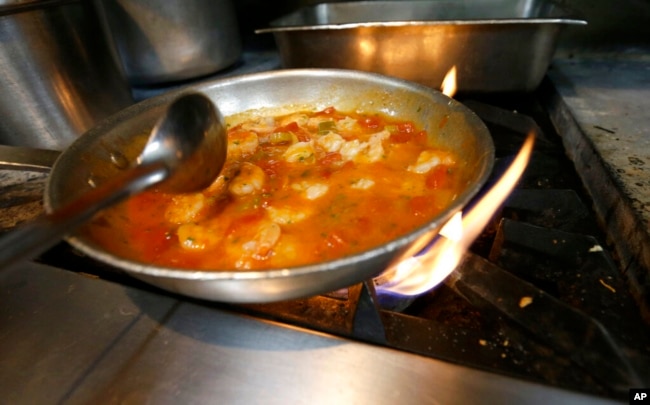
column 347, row 124
column 365, row 152
column 375, row 148
column 262, row 125
column 311, row 191
column 299, row 118
column 350, row 149
column 249, row 180
column 186, row 208
column 193, row 207
column 299, row 152
column 379, row 136
column 286, row 215
column 331, row 142
column 428, row 159
column 362, row 184
column 261, row 246
column 220, row 184
column 242, row 144
column 195, row 237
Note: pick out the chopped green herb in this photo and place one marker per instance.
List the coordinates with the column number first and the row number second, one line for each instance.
column 277, row 138
column 325, row 127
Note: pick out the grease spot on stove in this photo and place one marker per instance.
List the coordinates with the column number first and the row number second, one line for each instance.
column 635, row 161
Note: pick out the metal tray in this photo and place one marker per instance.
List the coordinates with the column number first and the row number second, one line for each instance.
column 496, row 45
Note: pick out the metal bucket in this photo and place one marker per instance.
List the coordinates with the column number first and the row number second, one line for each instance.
column 161, row 41
column 496, row 46
column 58, row 75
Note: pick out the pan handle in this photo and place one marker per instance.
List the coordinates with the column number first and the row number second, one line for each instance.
column 32, row 159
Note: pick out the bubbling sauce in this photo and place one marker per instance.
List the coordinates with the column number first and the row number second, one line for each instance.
column 296, row 189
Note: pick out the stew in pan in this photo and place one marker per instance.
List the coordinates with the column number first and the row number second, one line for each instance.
column 296, row 189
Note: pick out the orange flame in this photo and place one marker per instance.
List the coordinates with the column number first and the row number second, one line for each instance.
column 449, row 83
column 413, row 275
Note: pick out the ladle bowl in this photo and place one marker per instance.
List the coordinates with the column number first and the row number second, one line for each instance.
column 184, row 152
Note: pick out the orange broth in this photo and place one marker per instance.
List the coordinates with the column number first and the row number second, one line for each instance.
column 297, row 189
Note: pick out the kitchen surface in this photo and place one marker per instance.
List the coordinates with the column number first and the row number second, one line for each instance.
column 550, row 305
column 601, row 100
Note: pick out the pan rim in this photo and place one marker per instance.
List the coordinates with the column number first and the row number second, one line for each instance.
column 138, row 268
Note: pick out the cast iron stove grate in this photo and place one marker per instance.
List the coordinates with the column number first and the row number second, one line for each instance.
column 538, row 297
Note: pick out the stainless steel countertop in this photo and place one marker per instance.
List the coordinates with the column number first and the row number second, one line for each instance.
column 609, row 97
column 601, row 111
column 67, row 338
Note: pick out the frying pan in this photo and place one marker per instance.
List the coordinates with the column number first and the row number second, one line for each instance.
column 111, row 145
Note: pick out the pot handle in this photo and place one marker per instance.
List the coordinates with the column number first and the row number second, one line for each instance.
column 21, row 158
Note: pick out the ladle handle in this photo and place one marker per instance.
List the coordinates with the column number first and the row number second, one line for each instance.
column 34, row 238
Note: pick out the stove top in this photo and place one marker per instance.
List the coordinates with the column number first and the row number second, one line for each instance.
column 539, row 308
column 77, row 340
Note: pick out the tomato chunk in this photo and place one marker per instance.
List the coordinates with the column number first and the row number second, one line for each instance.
column 438, row 177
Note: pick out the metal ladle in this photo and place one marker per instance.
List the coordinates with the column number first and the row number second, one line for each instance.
column 185, row 152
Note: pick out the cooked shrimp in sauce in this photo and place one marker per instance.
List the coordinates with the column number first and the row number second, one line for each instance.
column 296, row 189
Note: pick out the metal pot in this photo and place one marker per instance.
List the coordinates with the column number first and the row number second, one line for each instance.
column 161, row 41
column 104, row 151
column 58, row 76
column 497, row 45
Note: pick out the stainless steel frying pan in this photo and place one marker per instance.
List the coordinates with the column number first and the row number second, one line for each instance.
column 110, row 146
